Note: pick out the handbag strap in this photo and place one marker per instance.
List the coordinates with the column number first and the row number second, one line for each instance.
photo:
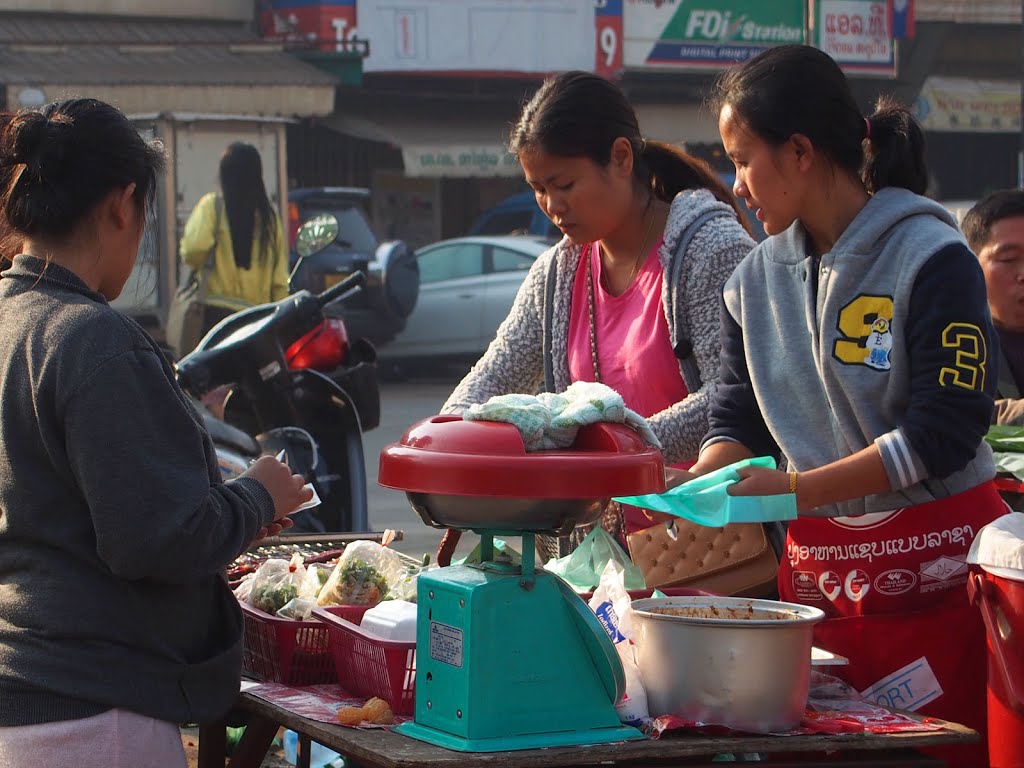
column 203, row 278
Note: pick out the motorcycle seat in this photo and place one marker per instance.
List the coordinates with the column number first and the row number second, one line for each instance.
column 224, row 434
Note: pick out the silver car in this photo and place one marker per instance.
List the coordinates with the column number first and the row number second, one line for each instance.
column 467, row 286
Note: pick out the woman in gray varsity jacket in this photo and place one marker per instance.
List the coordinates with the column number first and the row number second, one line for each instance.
column 630, row 296
column 857, row 344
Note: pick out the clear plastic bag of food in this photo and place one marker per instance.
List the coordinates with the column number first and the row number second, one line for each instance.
column 298, row 608
column 363, row 576
column 244, row 589
column 277, row 582
column 405, row 587
column 316, row 576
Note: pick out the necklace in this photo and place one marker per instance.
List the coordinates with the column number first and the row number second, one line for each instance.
column 590, row 294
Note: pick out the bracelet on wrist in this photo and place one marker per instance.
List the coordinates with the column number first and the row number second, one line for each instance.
column 792, row 482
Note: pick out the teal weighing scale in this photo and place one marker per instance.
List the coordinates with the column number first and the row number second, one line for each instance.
column 510, row 657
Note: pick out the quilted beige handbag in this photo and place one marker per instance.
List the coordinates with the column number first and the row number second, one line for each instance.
column 735, row 560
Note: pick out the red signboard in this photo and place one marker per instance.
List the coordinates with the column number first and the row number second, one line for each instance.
column 608, row 25
column 327, row 26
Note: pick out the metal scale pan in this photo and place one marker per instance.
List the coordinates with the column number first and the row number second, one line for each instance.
column 478, row 475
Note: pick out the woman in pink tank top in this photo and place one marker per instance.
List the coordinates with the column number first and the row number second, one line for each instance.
column 616, row 300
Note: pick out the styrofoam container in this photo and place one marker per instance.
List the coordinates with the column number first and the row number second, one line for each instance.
column 392, row 620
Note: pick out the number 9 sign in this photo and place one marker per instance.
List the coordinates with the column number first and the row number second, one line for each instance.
column 608, row 25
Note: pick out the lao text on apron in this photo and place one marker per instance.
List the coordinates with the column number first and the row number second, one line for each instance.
column 893, row 589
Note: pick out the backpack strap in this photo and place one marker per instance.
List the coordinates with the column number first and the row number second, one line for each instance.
column 211, row 258
column 548, row 320
column 683, row 346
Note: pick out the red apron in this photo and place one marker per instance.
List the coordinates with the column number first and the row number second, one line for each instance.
column 893, row 589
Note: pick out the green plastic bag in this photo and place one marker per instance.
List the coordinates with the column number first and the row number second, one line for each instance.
column 1009, row 463
column 583, row 567
column 503, row 553
column 706, row 501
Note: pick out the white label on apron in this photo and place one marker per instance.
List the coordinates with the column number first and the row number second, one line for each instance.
column 446, row 644
column 909, row 688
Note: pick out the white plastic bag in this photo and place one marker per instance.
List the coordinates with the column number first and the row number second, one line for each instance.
column 614, row 609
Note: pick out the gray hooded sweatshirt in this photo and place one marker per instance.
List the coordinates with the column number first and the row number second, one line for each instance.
column 885, row 340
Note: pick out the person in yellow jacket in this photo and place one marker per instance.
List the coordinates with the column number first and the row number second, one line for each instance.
column 251, row 261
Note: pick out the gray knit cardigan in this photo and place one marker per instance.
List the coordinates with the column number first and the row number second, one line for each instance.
column 535, row 335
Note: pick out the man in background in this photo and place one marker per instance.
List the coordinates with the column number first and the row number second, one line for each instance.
column 994, row 228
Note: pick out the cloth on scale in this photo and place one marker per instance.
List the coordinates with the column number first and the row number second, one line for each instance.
column 551, row 421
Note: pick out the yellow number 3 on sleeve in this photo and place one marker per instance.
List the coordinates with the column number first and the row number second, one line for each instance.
column 971, row 356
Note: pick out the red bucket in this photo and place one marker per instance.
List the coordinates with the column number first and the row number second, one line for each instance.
column 1002, row 606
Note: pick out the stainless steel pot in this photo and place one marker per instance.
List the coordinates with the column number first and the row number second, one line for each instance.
column 730, row 661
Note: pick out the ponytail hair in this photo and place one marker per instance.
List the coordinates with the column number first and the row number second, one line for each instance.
column 579, row 114
column 669, row 170
column 58, row 162
column 893, row 149
column 798, row 89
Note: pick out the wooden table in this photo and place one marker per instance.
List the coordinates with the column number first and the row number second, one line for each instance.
column 379, row 748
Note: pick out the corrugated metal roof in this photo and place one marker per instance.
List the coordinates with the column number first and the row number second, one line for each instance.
column 83, row 51
column 969, row 11
column 59, row 28
column 187, row 66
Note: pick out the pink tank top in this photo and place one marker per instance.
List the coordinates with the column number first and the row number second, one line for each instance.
column 633, row 346
column 634, row 349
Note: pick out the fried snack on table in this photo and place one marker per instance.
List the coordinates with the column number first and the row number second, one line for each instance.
column 378, row 712
column 350, row 715
column 375, row 711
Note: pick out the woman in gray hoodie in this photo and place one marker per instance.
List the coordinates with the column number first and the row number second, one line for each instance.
column 857, row 343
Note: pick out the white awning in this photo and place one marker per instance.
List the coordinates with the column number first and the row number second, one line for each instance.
column 283, row 101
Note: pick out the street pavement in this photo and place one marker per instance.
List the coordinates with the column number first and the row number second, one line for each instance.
column 402, row 405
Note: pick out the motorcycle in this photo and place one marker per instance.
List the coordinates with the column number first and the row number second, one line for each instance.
column 298, row 385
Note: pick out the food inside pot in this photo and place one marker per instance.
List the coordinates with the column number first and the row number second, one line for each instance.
column 748, row 613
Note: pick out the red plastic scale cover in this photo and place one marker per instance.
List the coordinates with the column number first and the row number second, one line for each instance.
column 446, row 455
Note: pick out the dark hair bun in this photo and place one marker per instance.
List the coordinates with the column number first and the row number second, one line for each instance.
column 39, row 143
column 58, row 162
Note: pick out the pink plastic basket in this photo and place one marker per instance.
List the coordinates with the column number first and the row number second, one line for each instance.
column 284, row 650
column 368, row 665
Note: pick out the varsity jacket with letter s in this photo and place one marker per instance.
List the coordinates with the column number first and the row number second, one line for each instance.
column 887, row 339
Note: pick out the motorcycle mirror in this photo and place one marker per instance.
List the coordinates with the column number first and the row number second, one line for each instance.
column 316, row 234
